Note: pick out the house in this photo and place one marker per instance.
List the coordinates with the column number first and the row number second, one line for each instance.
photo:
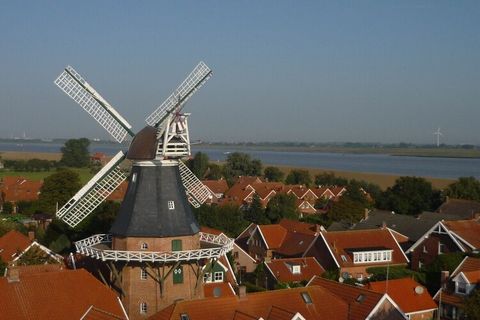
column 286, row 239
column 16, row 248
column 463, row 209
column 363, row 304
column 16, row 189
column 463, row 281
column 409, row 295
column 353, row 252
column 323, row 193
column 216, row 189
column 292, row 270
column 72, row 294
column 410, row 226
column 445, row 237
column 244, row 262
column 99, row 158
column 311, row 303
column 305, row 207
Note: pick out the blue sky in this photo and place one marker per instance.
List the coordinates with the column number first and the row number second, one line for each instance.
column 386, row 71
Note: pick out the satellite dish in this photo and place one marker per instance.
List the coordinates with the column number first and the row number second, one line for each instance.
column 340, row 280
column 418, row 290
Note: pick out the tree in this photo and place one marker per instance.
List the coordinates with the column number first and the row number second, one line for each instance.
column 7, row 208
column 58, row 188
column 255, row 212
column 298, row 176
column 214, row 172
column 410, row 195
column 346, row 209
column 199, row 164
column 75, row 153
column 465, row 188
column 282, row 206
column 472, row 305
column 240, row 164
column 329, row 179
column 273, row 174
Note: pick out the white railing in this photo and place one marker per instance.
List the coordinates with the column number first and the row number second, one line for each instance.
column 87, row 247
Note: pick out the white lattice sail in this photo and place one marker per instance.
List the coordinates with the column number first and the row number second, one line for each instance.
column 94, row 192
column 197, row 192
column 91, row 101
column 177, row 99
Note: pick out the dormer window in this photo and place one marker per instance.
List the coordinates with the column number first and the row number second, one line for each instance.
column 370, row 256
column 171, row 205
column 296, row 269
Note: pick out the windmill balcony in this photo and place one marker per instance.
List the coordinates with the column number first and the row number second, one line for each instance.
column 99, row 247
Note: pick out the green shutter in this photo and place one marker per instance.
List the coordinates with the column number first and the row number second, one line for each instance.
column 178, row 275
column 176, row 245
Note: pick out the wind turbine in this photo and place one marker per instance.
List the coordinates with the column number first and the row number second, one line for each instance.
column 438, row 134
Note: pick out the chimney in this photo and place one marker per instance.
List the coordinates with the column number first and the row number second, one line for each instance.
column 13, row 274
column 318, row 228
column 444, row 275
column 384, row 225
column 242, row 291
column 31, row 235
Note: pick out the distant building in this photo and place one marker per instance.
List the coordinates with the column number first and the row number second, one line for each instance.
column 463, row 209
column 409, row 295
column 16, row 189
column 445, row 237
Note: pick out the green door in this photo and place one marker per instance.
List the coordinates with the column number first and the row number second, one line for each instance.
column 178, row 275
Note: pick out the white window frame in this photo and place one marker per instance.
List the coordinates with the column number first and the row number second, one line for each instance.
column 218, row 276
column 143, row 307
column 171, row 205
column 296, row 269
column 440, row 246
column 207, row 277
column 372, row 256
column 143, row 274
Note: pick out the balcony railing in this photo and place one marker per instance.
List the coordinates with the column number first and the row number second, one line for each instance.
column 88, row 247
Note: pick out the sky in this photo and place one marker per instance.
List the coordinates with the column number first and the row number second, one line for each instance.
column 306, row 71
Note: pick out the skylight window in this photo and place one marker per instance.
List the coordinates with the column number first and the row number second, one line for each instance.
column 306, row 297
column 360, row 298
column 296, row 269
column 344, row 258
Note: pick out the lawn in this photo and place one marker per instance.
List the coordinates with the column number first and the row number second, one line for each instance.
column 84, row 173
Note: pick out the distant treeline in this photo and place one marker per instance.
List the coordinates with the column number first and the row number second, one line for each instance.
column 31, row 165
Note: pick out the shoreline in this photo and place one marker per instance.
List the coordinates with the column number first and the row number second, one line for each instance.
column 384, row 180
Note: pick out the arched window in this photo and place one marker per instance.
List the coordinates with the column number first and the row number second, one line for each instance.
column 144, row 246
column 143, row 307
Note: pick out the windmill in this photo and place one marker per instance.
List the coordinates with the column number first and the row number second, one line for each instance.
column 438, row 134
column 155, row 233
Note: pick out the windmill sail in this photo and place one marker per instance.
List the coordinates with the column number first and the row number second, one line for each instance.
column 199, row 75
column 94, row 192
column 197, row 192
column 91, row 101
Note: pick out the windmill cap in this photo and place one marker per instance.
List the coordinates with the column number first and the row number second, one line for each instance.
column 144, row 145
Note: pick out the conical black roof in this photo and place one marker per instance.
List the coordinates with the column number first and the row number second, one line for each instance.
column 146, row 210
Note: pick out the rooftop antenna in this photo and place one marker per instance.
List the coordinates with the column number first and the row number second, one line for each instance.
column 438, row 134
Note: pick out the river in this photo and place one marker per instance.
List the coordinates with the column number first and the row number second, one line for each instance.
column 450, row 168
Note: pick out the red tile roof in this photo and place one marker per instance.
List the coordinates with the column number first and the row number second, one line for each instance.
column 14, row 189
column 216, row 186
column 281, row 269
column 468, row 264
column 273, row 234
column 472, row 276
column 210, row 230
column 12, row 243
column 360, row 300
column 56, row 295
column 403, row 292
column 343, row 243
column 468, row 230
column 322, row 191
column 119, row 193
column 217, row 290
column 325, row 305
